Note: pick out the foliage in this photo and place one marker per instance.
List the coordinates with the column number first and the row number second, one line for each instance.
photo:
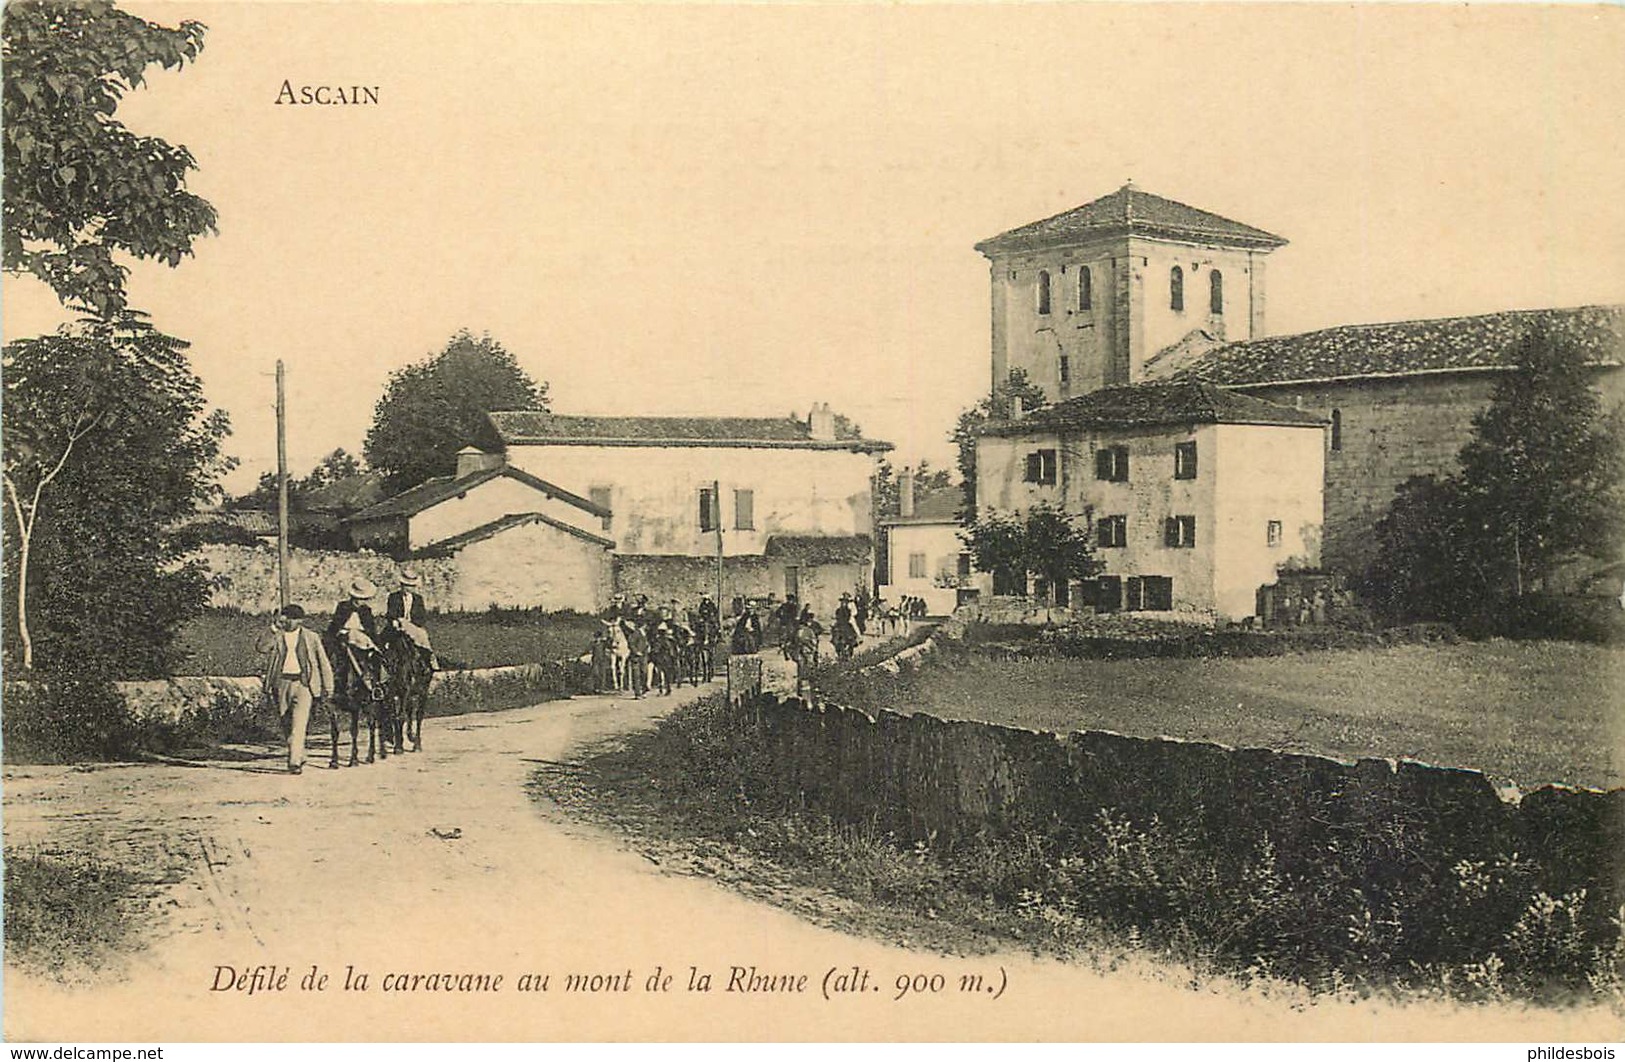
column 995, row 407
column 66, row 916
column 434, row 408
column 336, row 466
column 65, row 718
column 1043, row 541
column 1541, row 480
column 79, row 185
column 107, row 444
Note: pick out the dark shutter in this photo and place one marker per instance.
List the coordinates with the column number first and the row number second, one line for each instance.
column 1170, row 531
column 1035, row 468
column 1133, row 593
column 1103, row 464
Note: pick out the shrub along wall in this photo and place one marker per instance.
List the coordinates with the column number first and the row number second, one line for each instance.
column 1402, row 844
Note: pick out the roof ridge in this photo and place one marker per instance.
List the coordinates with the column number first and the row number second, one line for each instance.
column 1615, row 307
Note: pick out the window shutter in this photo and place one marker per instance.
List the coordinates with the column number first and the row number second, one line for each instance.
column 744, row 510
column 1035, row 467
column 1103, row 464
column 1170, row 532
column 708, row 509
column 1132, row 589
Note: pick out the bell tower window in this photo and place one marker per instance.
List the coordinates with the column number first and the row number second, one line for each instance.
column 1043, row 291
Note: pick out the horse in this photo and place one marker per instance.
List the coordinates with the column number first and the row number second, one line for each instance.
column 407, row 675
column 359, row 677
column 845, row 639
column 619, row 653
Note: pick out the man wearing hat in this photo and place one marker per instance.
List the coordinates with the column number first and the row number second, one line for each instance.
column 407, row 610
column 353, row 623
column 297, row 673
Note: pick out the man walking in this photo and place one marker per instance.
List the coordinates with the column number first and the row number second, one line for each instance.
column 297, row 673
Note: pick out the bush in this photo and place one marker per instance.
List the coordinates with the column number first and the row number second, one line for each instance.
column 455, row 694
column 66, row 717
column 1597, row 620
column 65, row 914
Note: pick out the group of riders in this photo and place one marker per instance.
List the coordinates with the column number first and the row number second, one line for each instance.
column 644, row 647
column 368, row 667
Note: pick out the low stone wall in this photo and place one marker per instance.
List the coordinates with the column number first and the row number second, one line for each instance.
column 245, row 577
column 925, row 778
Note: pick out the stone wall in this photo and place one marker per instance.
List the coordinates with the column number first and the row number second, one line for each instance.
column 924, row 778
column 245, row 577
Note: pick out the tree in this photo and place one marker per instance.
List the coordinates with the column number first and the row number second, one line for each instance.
column 1544, row 471
column 995, row 407
column 1043, row 541
column 78, row 184
column 336, row 466
column 1541, row 479
column 436, row 407
column 107, row 444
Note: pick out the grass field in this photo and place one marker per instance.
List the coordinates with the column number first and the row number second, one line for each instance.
column 222, row 642
column 1531, row 712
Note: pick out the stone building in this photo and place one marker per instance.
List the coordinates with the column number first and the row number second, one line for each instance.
column 785, row 501
column 1083, row 299
column 1195, row 496
column 1134, row 288
column 924, row 555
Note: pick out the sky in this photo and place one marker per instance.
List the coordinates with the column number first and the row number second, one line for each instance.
column 751, row 209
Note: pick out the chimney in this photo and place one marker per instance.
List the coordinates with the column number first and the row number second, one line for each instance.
column 471, row 459
column 821, row 423
column 905, row 493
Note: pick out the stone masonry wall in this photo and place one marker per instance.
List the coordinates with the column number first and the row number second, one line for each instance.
column 925, row 778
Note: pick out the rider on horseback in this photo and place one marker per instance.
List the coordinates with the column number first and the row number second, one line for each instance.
column 408, row 611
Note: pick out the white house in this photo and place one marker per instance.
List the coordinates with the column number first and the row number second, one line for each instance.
column 1194, row 496
column 784, row 501
column 924, row 555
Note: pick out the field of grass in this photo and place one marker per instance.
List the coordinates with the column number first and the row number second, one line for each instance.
column 1531, row 712
column 67, row 916
column 221, row 642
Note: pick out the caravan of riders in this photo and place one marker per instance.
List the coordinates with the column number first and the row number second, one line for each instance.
column 366, row 668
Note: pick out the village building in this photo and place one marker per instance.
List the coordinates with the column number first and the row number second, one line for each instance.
column 925, row 557
column 1194, row 496
column 784, row 502
column 1134, row 290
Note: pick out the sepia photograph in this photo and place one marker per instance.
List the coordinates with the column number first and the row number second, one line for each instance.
column 996, row 522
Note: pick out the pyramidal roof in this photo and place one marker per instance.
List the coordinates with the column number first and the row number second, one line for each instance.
column 1131, row 212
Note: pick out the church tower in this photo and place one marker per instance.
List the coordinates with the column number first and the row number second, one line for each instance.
column 1112, row 292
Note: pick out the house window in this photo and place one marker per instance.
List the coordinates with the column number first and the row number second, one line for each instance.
column 1180, row 532
column 1185, row 460
column 744, row 510
column 1157, row 593
column 964, row 565
column 1041, row 467
column 710, row 517
column 1066, row 369
column 1337, row 429
column 1085, row 295
column 1272, row 533
column 1176, row 289
column 600, row 496
column 1109, row 593
column 1043, row 291
column 916, row 566
column 1111, row 463
column 1215, row 292
column 1111, row 532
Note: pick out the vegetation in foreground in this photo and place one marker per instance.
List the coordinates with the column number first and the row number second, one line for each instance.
column 1368, row 918
column 1533, row 712
column 68, row 916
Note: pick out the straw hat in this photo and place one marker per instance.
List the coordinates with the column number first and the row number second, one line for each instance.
column 361, row 588
column 409, row 577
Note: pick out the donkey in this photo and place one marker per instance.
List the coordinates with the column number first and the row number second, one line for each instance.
column 407, row 675
column 359, row 677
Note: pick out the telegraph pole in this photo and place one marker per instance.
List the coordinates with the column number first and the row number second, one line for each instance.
column 281, row 487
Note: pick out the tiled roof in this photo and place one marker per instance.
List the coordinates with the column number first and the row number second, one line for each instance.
column 937, row 507
column 821, row 549
column 1131, row 212
column 442, row 488
column 347, row 494
column 1152, row 404
column 530, row 428
column 1450, row 344
column 447, row 546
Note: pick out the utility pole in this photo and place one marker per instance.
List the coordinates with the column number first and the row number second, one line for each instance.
column 281, row 487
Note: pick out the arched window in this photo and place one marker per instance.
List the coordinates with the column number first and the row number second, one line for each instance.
column 1085, row 296
column 1337, row 429
column 1215, row 292
column 1043, row 291
column 1176, row 289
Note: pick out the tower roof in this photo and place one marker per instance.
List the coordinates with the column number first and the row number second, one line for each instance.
column 1131, row 212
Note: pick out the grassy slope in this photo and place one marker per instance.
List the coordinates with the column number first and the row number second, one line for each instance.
column 222, row 642
column 1533, row 712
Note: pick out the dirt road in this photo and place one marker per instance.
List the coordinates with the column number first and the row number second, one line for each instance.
column 441, row 863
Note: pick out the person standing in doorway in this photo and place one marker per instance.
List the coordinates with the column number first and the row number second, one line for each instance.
column 297, row 674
